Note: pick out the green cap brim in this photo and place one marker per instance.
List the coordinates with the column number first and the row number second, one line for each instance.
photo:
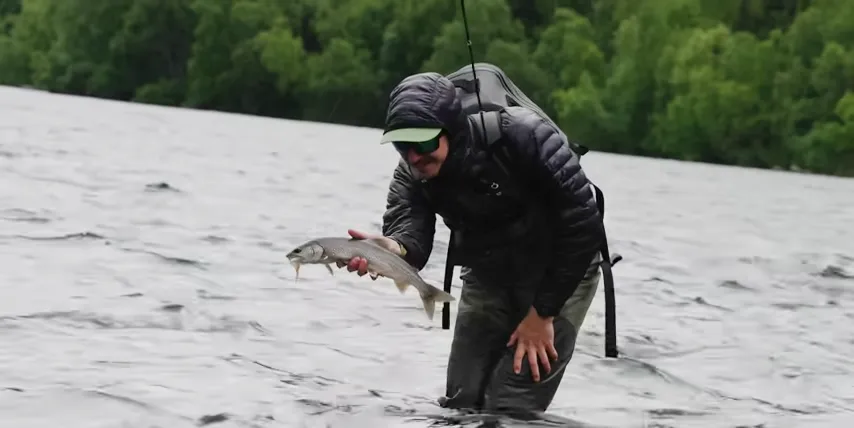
column 410, row 135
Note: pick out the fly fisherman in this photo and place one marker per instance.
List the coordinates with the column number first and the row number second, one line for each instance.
column 527, row 241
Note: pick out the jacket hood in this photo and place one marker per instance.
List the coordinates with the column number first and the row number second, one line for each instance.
column 430, row 100
column 425, row 100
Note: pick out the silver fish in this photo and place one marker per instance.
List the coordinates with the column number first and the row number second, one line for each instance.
column 327, row 251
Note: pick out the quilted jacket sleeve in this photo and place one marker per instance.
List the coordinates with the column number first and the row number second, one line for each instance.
column 408, row 219
column 545, row 158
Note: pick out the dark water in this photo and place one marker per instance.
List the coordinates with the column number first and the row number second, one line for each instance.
column 143, row 283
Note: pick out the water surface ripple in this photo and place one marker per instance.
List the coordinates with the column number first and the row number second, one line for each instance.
column 143, row 284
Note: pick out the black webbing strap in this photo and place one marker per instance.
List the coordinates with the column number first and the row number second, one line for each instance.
column 608, row 277
column 449, row 276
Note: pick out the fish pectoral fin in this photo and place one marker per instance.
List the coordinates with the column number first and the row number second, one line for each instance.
column 402, row 286
column 329, row 268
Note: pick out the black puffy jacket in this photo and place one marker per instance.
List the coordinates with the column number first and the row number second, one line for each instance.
column 540, row 225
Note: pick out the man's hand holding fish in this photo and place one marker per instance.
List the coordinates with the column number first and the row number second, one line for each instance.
column 360, row 264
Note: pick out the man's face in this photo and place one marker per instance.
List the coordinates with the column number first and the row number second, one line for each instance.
column 427, row 157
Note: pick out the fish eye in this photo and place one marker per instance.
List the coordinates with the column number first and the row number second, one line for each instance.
column 298, row 250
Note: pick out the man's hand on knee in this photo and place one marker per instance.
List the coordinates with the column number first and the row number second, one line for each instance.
column 534, row 338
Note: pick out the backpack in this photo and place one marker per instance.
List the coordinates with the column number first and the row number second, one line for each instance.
column 497, row 91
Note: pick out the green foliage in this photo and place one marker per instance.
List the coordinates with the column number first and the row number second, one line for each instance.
column 764, row 83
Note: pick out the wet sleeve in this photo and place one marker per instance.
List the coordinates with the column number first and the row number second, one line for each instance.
column 408, row 219
column 578, row 232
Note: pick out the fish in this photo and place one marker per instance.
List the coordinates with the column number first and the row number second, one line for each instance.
column 381, row 262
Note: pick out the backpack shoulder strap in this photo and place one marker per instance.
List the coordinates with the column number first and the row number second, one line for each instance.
column 491, row 121
column 490, row 137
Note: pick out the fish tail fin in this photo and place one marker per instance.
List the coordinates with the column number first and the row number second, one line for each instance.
column 430, row 296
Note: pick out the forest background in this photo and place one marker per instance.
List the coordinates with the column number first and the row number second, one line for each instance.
column 760, row 83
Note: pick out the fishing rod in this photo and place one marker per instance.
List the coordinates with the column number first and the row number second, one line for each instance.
column 473, row 71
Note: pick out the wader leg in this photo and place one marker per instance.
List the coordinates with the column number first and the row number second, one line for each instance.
column 576, row 307
column 508, row 391
column 481, row 331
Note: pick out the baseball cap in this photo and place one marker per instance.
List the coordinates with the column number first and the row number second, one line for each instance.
column 410, row 135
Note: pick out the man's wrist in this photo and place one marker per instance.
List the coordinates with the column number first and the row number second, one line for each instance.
column 542, row 312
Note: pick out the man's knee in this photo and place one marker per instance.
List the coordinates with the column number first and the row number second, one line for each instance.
column 480, row 332
column 509, row 391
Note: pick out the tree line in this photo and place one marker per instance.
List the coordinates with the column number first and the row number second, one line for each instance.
column 762, row 83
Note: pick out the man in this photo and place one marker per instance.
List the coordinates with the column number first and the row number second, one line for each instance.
column 528, row 241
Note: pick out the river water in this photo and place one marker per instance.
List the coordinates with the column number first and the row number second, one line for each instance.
column 143, row 283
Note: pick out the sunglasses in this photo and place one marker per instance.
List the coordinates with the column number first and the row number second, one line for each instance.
column 422, row 148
